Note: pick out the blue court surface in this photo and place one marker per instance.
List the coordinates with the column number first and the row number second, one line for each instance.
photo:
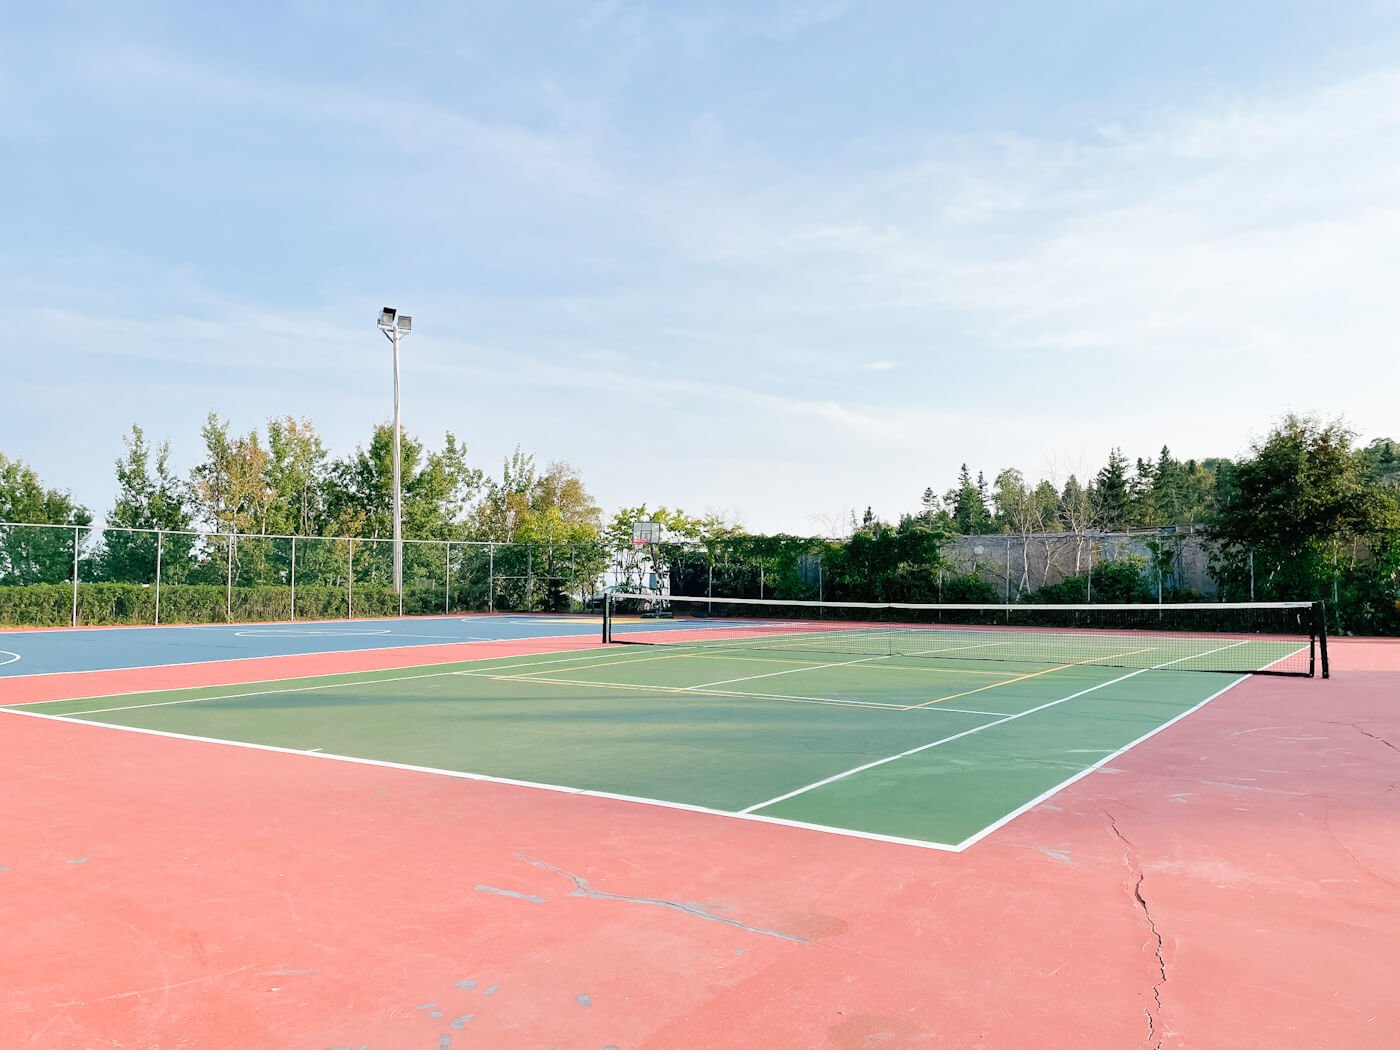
column 29, row 652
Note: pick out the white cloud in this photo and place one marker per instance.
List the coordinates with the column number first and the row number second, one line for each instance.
column 708, row 324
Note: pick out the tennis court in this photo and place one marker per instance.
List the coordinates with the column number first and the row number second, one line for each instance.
column 922, row 735
column 698, row 824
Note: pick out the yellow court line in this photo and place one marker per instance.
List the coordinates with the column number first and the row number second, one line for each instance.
column 680, row 691
column 1036, row 674
column 993, row 685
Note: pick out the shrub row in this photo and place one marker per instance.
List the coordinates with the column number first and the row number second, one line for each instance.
column 51, row 604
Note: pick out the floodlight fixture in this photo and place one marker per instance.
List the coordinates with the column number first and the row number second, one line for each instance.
column 405, row 323
column 386, row 317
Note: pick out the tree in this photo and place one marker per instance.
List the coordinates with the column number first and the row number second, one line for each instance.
column 969, row 504
column 296, row 472
column 929, row 506
column 1023, row 512
column 35, row 555
column 1078, row 516
column 1113, row 499
column 506, row 500
column 147, row 499
column 231, row 492
column 1292, row 505
column 882, row 563
column 1381, row 461
column 437, row 488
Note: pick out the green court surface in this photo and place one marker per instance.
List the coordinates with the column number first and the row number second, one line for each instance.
column 931, row 751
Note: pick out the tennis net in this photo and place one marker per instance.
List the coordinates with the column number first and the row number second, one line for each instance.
column 1285, row 638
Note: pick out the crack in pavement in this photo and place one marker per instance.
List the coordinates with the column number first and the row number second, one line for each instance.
column 699, row 911
column 1134, row 869
column 1327, row 825
column 1373, row 736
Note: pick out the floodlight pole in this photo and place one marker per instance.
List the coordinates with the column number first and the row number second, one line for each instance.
column 394, row 326
column 398, row 482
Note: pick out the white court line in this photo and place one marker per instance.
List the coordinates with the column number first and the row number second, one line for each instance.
column 1197, row 656
column 977, row 837
column 790, row 670
column 977, row 729
column 312, row 632
column 281, row 656
column 361, row 678
column 961, row 711
column 14, row 658
column 942, row 847
column 941, row 741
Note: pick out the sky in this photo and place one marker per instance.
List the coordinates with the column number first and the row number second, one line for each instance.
column 778, row 260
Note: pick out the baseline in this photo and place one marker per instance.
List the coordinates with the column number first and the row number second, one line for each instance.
column 942, row 847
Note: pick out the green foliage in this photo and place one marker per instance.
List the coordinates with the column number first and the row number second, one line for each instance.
column 146, row 499
column 1285, row 515
column 35, row 555
column 129, row 603
column 1111, row 582
column 885, row 564
column 967, row 588
column 968, row 504
column 1114, row 507
column 1380, row 460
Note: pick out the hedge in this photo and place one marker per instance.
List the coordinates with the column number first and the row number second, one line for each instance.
column 51, row 604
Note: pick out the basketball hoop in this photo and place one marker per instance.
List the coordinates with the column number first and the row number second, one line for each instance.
column 645, row 533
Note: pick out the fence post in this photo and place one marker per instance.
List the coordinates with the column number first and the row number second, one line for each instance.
column 160, row 536
column 294, row 579
column 447, row 578
column 1008, row 578
column 350, row 581
column 760, row 581
column 529, row 577
column 710, row 586
column 1251, row 576
column 228, row 601
column 1089, row 585
column 490, row 577
column 73, row 620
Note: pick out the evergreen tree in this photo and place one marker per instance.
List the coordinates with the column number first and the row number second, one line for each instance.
column 969, row 504
column 1113, row 503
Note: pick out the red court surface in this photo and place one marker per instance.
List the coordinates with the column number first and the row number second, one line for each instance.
column 1232, row 882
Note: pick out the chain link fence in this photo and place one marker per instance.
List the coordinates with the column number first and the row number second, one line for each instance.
column 52, row 575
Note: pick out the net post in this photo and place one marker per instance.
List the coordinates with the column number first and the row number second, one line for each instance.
column 1320, row 630
column 607, row 618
